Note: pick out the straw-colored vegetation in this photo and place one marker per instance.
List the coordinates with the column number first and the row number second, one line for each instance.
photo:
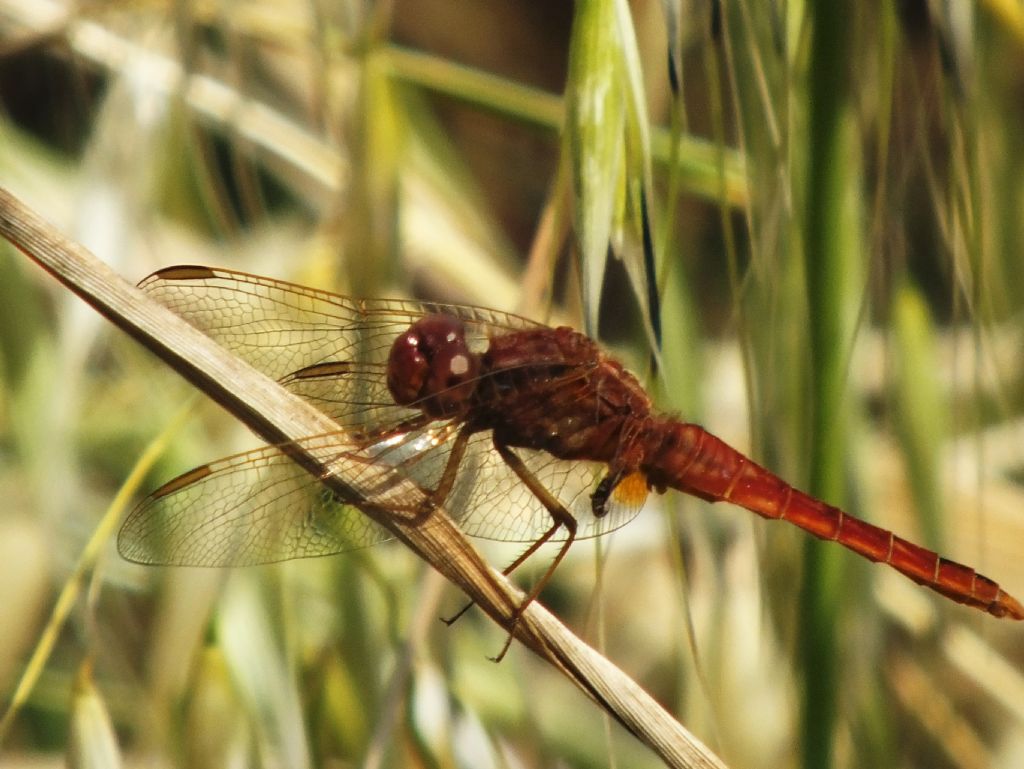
column 833, row 203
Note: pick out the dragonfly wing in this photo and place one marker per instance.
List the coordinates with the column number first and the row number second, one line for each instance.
column 253, row 508
column 281, row 328
column 329, row 349
column 262, row 507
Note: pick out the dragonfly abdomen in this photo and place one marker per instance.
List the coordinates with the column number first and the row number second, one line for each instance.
column 688, row 458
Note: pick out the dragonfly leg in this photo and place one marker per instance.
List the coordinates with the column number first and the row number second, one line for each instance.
column 523, row 557
column 599, row 499
column 561, row 518
column 437, row 496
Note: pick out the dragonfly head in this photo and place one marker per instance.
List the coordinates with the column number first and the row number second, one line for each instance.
column 432, row 368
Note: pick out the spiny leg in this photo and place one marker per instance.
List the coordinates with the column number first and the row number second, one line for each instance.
column 437, row 496
column 522, row 557
column 561, row 518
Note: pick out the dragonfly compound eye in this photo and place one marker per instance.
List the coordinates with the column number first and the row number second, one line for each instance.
column 430, row 366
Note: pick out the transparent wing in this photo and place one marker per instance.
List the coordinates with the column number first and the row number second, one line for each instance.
column 258, row 507
column 261, row 506
column 329, row 349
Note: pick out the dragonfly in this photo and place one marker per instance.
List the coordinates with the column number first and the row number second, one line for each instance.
column 520, row 431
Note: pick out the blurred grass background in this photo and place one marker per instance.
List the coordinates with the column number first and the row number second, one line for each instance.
column 836, row 202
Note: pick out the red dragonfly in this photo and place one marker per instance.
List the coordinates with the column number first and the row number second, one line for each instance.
column 524, row 433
